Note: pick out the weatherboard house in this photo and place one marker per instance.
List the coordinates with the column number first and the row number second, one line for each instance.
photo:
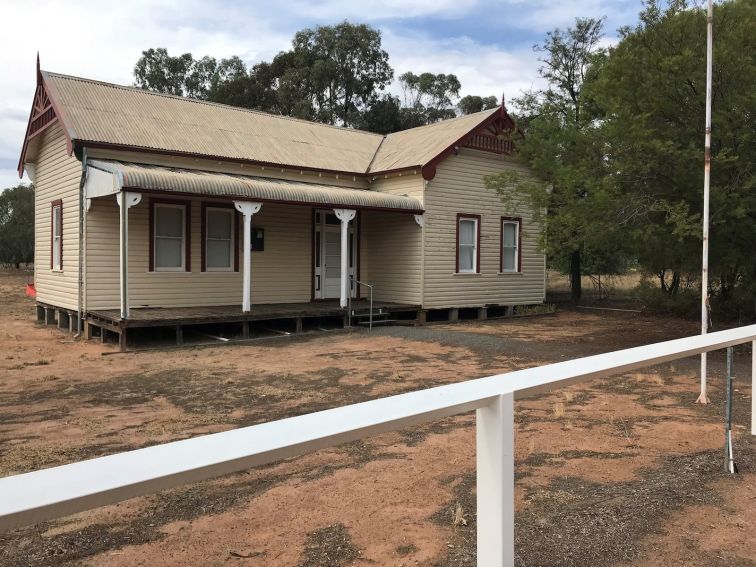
column 155, row 210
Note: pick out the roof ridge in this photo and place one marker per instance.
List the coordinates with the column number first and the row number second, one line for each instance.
column 375, row 155
column 456, row 118
column 208, row 103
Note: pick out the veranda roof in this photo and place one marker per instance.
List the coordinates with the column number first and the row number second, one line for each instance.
column 151, row 178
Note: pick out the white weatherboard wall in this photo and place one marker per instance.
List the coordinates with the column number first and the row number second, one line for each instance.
column 280, row 273
column 393, row 242
column 57, row 176
column 458, row 188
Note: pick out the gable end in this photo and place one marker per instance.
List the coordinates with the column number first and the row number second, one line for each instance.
column 44, row 113
column 492, row 135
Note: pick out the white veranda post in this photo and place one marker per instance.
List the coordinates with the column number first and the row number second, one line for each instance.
column 247, row 209
column 125, row 200
column 495, row 482
column 344, row 215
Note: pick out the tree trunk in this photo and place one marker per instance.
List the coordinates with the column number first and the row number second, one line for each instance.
column 662, row 280
column 576, row 284
column 675, row 286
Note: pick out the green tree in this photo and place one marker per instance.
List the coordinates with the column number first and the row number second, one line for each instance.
column 254, row 89
column 472, row 103
column 17, row 225
column 332, row 74
column 383, row 116
column 428, row 97
column 342, row 66
column 563, row 144
column 182, row 75
column 651, row 89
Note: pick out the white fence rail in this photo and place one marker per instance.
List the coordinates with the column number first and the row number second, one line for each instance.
column 59, row 491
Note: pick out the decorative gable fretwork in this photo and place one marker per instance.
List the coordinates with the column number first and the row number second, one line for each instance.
column 42, row 115
column 495, row 137
column 494, row 144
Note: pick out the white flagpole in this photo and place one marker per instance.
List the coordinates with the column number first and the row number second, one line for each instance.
column 703, row 398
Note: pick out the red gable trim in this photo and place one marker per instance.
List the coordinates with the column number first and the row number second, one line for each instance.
column 44, row 113
column 429, row 169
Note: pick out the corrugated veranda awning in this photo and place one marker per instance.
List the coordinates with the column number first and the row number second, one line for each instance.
column 108, row 177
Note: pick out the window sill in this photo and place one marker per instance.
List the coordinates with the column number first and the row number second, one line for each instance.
column 466, row 274
column 509, row 273
column 56, row 270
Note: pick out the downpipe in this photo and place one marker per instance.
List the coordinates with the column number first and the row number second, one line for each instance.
column 82, row 219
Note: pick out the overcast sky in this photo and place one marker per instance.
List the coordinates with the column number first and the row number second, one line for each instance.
column 486, row 43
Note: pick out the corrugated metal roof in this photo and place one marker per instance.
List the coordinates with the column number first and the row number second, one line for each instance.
column 101, row 112
column 418, row 146
column 212, row 184
column 111, row 114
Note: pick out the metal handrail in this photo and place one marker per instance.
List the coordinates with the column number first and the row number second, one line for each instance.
column 369, row 286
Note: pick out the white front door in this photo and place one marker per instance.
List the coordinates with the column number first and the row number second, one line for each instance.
column 327, row 275
column 332, row 257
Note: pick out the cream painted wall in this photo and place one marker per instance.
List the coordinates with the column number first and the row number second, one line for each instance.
column 458, row 188
column 280, row 273
column 57, row 176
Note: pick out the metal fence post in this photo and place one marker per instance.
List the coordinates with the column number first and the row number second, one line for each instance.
column 495, row 488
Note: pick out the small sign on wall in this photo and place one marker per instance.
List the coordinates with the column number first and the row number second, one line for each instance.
column 257, row 241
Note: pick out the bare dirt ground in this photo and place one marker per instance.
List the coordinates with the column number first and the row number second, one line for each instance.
column 624, row 471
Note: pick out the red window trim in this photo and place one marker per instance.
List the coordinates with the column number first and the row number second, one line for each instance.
column 53, row 204
column 461, row 216
column 188, row 232
column 518, row 220
column 203, row 232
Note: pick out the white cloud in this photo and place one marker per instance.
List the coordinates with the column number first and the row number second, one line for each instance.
column 379, row 10
column 545, row 15
column 482, row 69
column 103, row 40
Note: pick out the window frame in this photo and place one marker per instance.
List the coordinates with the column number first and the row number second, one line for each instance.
column 234, row 244
column 186, row 236
column 518, row 245
column 476, row 254
column 56, row 205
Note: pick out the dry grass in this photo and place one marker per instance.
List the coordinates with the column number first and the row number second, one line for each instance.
column 643, row 378
column 178, row 425
column 397, row 377
column 558, row 410
column 623, row 284
column 458, row 516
